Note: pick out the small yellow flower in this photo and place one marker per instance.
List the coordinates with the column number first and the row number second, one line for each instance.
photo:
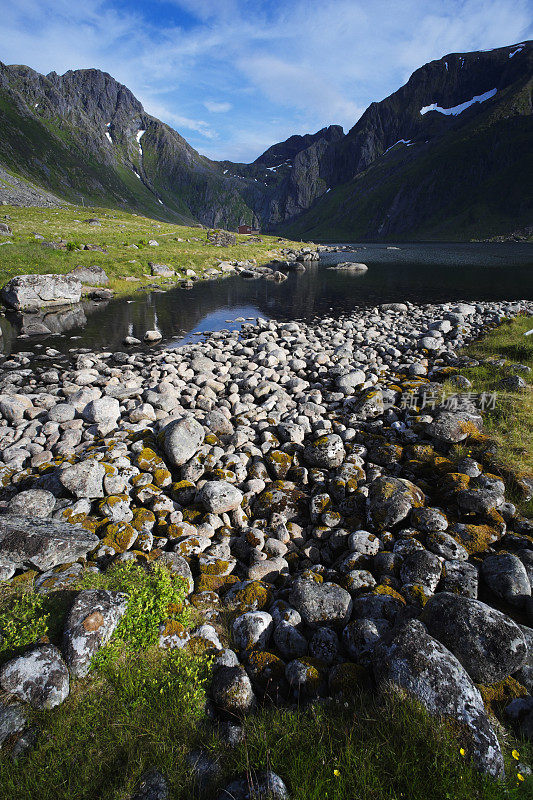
column 462, row 751
column 515, row 754
column 519, row 776
column 337, row 773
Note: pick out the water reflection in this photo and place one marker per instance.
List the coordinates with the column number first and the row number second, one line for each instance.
column 420, row 273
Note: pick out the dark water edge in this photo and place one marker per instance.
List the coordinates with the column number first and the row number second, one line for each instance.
column 420, row 273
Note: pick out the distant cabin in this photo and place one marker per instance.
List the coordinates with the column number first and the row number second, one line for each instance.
column 246, row 229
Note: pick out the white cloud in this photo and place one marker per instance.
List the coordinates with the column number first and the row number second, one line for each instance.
column 279, row 67
column 217, row 108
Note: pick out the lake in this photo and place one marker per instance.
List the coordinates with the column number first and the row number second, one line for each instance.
column 420, row 273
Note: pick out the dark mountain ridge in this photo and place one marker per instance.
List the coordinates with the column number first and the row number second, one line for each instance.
column 446, row 155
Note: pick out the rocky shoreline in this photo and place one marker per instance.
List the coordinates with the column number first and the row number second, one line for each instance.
column 300, row 475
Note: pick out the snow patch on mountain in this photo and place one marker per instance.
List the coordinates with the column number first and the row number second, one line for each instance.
column 456, row 110
column 400, row 141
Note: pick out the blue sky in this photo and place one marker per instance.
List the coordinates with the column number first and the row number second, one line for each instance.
column 235, row 76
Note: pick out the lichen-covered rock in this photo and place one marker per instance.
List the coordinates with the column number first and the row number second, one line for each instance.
column 251, row 595
column 411, row 660
column 177, row 565
column 474, row 538
column 33, row 503
column 326, row 451
column 13, row 718
column 381, row 605
column 454, row 426
column 90, row 624
column 363, row 542
column 256, row 786
column 429, row 520
column 482, row 494
column 289, row 641
column 42, row 544
column 182, row 438
column 488, row 644
column 421, row 567
column 38, row 677
column 252, row 630
column 442, row 544
column 321, row 602
column 324, row 645
column 361, row 637
column 460, row 577
column 368, row 404
column 390, row 500
column 507, row 577
column 281, row 497
column 218, row 497
column 306, row 676
column 63, row 577
column 84, row 479
column 232, row 691
column 152, row 786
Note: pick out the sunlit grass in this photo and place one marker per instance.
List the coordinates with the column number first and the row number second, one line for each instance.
column 125, row 239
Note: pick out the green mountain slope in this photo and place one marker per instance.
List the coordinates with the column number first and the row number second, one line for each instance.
column 471, row 182
column 446, row 156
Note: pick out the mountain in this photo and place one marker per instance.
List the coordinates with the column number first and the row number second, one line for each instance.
column 84, row 135
column 447, row 156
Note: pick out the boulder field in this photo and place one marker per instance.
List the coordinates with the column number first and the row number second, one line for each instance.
column 304, row 476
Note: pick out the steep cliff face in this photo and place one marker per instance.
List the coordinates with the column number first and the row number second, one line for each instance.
column 83, row 134
column 447, row 155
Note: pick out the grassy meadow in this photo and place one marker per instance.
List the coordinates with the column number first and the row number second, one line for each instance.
column 124, row 239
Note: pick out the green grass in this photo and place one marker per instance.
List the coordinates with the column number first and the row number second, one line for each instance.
column 137, row 704
column 117, row 233
column 368, row 749
column 510, row 423
column 141, row 708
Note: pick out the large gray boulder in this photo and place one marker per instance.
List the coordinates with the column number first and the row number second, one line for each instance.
column 507, row 577
column 13, row 718
column 84, row 479
column 25, row 292
column 182, row 438
column 40, row 544
column 325, row 451
column 488, row 644
column 232, row 691
column 218, row 497
column 413, row 661
column 320, row 603
column 454, row 426
column 90, row 624
column 32, row 503
column 390, row 501
column 38, row 677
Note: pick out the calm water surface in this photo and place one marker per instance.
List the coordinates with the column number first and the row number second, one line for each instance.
column 421, row 273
